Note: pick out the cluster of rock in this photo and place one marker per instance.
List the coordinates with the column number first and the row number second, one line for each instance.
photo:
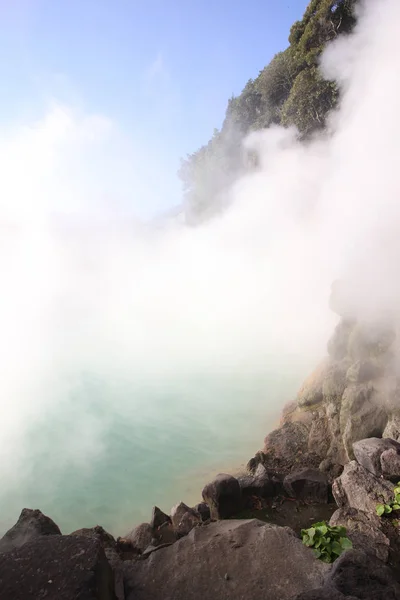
column 337, row 443
column 200, row 552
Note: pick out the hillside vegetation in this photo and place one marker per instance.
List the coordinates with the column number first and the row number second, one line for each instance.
column 288, row 91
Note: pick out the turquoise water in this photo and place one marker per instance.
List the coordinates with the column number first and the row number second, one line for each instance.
column 108, row 452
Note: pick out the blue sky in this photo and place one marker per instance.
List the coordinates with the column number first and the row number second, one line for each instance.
column 161, row 71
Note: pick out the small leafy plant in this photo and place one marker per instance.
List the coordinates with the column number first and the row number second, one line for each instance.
column 327, row 542
column 386, row 509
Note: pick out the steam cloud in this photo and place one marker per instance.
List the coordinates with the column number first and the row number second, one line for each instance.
column 85, row 290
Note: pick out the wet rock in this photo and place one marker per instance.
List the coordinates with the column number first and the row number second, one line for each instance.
column 184, row 519
column 204, row 511
column 223, row 495
column 30, row 525
column 364, row 531
column 368, row 453
column 261, row 561
column 360, row 489
column 57, row 567
column 158, row 518
column 141, row 536
column 106, row 539
column 308, row 485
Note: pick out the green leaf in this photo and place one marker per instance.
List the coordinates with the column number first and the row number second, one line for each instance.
column 345, row 543
column 396, row 506
column 380, row 509
column 388, row 509
column 336, row 548
column 317, row 553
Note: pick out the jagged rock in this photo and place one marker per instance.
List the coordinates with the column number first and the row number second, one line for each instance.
column 57, row 567
column 364, row 370
column 184, row 519
column 370, row 339
column 115, row 563
column 392, row 429
column 390, row 464
column 331, row 469
column 358, row 574
column 310, row 393
column 361, row 416
column 228, row 560
column 106, row 539
column 224, row 496
column 338, row 343
column 204, row 511
column 141, row 536
column 308, row 485
column 166, row 534
column 259, row 484
column 319, row 438
column 31, row 524
column 158, row 518
column 368, row 453
column 364, row 531
column 360, row 489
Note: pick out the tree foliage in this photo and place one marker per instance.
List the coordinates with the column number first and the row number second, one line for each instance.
column 288, row 91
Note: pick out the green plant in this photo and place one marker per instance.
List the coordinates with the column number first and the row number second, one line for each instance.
column 386, row 509
column 327, row 542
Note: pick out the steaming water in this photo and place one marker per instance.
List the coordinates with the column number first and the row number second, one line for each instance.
column 159, row 451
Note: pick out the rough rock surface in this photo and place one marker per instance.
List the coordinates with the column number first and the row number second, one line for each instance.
column 308, row 485
column 30, row 525
column 204, row 511
column 106, row 539
column 260, row 483
column 184, row 519
column 360, row 489
column 228, row 560
column 390, row 464
column 158, row 518
column 57, row 567
column 364, row 531
column 223, row 495
column 368, row 453
column 141, row 536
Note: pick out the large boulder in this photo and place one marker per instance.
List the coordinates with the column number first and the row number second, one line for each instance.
column 364, row 531
column 260, row 483
column 57, row 567
column 360, row 489
column 356, row 576
column 363, row 576
column 369, row 452
column 307, row 485
column 184, row 519
column 30, row 525
column 223, row 495
column 228, row 560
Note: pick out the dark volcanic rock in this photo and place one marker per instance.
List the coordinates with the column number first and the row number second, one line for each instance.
column 184, row 519
column 324, row 594
column 141, row 536
column 30, row 525
column 57, row 567
column 308, row 485
column 360, row 489
column 106, row 539
column 158, row 518
column 390, row 464
column 223, row 495
column 368, row 453
column 227, row 560
column 261, row 483
column 364, row 531
column 204, row 511
column 358, row 574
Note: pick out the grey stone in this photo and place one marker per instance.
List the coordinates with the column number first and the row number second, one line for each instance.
column 364, row 531
column 360, row 489
column 228, row 560
column 368, row 452
column 204, row 511
column 158, row 518
column 390, row 464
column 223, row 495
column 30, row 525
column 57, row 567
column 184, row 519
column 106, row 539
column 308, row 485
column 141, row 536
